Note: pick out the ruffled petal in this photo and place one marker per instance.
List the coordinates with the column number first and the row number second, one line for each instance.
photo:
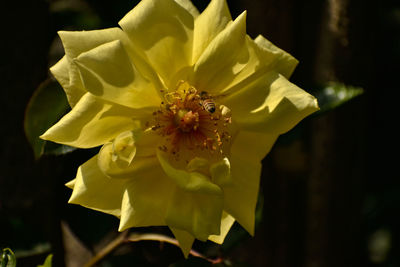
column 240, row 198
column 208, row 25
column 92, row 189
column 92, row 122
column 146, row 198
column 187, row 4
column 284, row 63
column 107, row 72
column 188, row 181
column 129, row 153
column 185, row 240
column 220, row 56
column 270, row 104
column 221, row 172
column 113, row 169
column 198, row 214
column 226, row 224
column 238, row 60
column 163, row 30
column 75, row 43
column 61, row 71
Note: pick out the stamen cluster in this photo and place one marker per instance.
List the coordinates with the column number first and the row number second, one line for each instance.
column 191, row 120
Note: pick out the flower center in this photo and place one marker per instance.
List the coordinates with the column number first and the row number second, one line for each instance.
column 191, row 121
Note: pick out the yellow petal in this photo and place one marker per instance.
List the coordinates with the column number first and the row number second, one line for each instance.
column 107, row 72
column 198, row 214
column 221, row 172
column 220, row 56
column 163, row 30
column 185, row 240
column 208, row 25
column 198, row 164
column 284, row 63
column 146, row 199
column 94, row 190
column 187, row 4
column 91, row 123
column 130, row 152
column 61, row 71
column 188, row 181
column 114, row 169
column 226, row 224
column 244, row 144
column 75, row 43
column 71, row 184
column 270, row 104
column 238, row 60
column 240, row 198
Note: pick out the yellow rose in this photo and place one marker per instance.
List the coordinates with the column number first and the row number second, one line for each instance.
column 185, row 107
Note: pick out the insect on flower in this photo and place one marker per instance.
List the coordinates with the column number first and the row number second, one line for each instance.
column 207, row 102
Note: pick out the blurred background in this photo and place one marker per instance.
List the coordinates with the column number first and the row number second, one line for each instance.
column 330, row 189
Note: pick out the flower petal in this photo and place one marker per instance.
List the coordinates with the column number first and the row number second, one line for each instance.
column 240, row 198
column 185, row 240
column 221, row 172
column 61, row 71
column 107, row 72
column 91, row 123
column 237, row 57
column 208, row 25
column 92, row 189
column 220, row 56
column 270, row 104
column 146, row 198
column 226, row 224
column 188, row 181
column 198, row 214
column 71, row 184
column 113, row 169
column 75, row 43
column 284, row 63
column 188, row 5
column 244, row 144
column 163, row 30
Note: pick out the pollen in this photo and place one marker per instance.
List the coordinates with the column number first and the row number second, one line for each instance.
column 190, row 120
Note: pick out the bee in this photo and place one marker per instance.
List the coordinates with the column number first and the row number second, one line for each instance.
column 206, row 102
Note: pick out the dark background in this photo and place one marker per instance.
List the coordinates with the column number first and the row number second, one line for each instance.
column 331, row 187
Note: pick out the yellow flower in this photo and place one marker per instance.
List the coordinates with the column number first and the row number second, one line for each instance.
column 185, row 107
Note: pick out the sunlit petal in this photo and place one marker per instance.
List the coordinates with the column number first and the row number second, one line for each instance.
column 92, row 189
column 91, row 123
column 163, row 30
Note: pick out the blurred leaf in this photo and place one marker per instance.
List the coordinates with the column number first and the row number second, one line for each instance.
column 47, row 262
column 334, row 95
column 47, row 104
column 7, row 258
column 38, row 249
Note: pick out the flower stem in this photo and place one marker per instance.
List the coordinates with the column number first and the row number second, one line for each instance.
column 135, row 237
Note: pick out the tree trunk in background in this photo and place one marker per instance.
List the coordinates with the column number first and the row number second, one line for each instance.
column 28, row 190
column 312, row 213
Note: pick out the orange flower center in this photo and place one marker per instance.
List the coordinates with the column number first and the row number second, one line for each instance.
column 192, row 121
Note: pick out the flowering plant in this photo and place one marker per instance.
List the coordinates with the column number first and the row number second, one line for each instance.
column 185, row 107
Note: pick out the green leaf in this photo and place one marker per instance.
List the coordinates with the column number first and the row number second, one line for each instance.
column 334, row 95
column 47, row 262
column 46, row 106
column 7, row 258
